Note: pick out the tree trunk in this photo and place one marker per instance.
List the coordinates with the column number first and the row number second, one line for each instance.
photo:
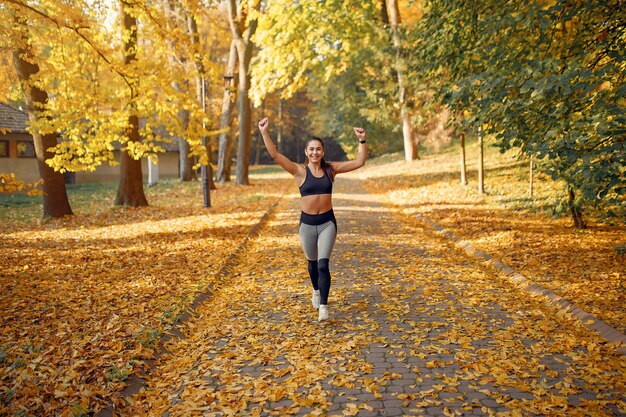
column 279, row 138
column 531, row 177
column 481, row 166
column 408, row 133
column 245, row 121
column 237, row 20
column 185, row 162
column 258, row 150
column 201, row 94
column 186, row 172
column 224, row 157
column 384, row 13
column 130, row 190
column 577, row 214
column 55, row 202
column 463, row 165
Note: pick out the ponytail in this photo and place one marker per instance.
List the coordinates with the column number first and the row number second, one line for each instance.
column 328, row 170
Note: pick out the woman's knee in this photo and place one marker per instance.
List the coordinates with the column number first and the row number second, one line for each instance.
column 323, row 266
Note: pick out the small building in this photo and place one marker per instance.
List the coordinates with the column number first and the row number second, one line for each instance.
column 17, row 154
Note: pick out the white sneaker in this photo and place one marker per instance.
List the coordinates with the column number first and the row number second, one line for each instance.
column 323, row 313
column 315, row 299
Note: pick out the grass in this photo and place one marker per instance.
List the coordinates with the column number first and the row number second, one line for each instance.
column 97, row 198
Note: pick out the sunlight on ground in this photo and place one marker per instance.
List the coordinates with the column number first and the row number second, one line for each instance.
column 581, row 265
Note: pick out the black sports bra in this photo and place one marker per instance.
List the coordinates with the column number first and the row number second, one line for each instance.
column 313, row 185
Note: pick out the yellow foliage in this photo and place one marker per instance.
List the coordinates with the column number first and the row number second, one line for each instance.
column 93, row 92
column 9, row 184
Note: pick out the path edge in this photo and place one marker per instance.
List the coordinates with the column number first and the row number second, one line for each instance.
column 135, row 382
column 519, row 280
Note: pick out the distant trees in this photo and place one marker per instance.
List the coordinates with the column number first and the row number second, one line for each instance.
column 243, row 22
column 546, row 78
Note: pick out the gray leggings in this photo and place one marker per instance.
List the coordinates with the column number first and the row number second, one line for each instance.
column 317, row 242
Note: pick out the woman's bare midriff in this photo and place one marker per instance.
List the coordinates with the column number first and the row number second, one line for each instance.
column 317, row 203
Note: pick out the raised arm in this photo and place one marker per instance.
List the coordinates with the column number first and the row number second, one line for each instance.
column 348, row 166
column 289, row 166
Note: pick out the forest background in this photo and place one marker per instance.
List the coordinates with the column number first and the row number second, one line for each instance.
column 541, row 81
column 543, row 78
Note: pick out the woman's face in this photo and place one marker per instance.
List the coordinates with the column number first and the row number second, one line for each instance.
column 314, row 150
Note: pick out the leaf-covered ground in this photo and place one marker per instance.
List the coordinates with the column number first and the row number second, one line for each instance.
column 85, row 299
column 586, row 267
column 417, row 328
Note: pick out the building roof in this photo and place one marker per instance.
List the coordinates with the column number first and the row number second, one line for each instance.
column 13, row 119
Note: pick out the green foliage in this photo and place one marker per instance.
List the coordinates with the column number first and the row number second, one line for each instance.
column 546, row 78
column 339, row 52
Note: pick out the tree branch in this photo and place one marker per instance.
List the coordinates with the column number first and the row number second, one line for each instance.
column 76, row 29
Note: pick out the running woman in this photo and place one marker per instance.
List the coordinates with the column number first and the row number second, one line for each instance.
column 318, row 227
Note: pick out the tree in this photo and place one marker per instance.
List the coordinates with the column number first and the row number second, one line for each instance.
column 408, row 132
column 55, row 202
column 318, row 49
column 173, row 14
column 94, row 93
column 462, row 161
column 243, row 23
column 130, row 188
column 225, row 142
column 561, row 98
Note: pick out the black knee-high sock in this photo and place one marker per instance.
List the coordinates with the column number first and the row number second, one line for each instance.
column 314, row 274
column 323, row 280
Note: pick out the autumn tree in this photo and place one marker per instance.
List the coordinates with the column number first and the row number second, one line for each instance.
column 130, row 188
column 104, row 99
column 55, row 202
column 225, row 142
column 175, row 16
column 22, row 43
column 243, row 21
column 408, row 131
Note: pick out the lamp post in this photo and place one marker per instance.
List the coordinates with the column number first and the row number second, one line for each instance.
column 204, row 171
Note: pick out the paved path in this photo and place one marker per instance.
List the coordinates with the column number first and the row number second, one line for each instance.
column 417, row 328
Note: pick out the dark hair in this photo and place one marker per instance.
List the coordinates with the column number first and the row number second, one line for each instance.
column 328, row 168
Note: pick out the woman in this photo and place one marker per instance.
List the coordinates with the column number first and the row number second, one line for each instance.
column 318, row 227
